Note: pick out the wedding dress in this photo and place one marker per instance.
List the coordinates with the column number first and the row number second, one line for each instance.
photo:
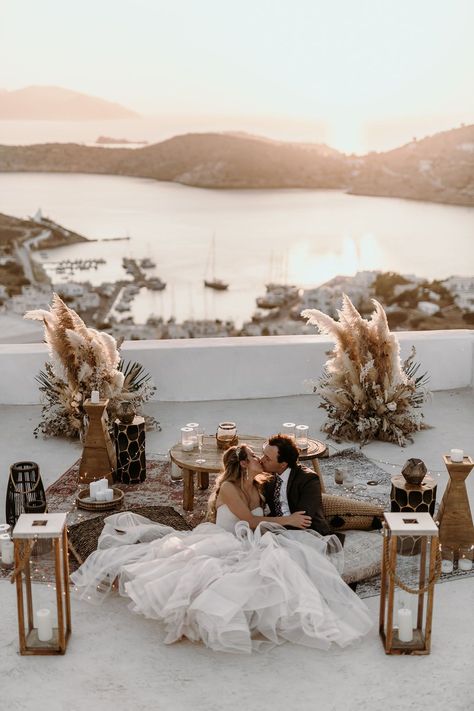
column 235, row 589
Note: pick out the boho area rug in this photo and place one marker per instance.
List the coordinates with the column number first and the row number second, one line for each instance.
column 159, row 497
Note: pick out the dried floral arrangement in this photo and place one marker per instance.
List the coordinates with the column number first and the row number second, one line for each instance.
column 82, row 360
column 367, row 391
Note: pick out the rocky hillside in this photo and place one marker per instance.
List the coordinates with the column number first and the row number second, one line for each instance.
column 203, row 160
column 52, row 103
column 439, row 168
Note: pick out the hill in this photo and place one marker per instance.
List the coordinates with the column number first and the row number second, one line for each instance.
column 210, row 160
column 438, row 168
column 53, row 103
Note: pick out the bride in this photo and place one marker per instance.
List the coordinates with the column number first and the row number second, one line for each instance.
column 239, row 582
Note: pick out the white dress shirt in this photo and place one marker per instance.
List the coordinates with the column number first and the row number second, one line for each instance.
column 283, row 497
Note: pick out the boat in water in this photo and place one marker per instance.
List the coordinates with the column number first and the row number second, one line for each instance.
column 155, row 284
column 213, row 282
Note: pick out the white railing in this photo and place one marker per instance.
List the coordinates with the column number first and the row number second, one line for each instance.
column 241, row 368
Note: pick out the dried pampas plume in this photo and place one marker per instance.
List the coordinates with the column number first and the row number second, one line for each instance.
column 366, row 390
column 82, row 360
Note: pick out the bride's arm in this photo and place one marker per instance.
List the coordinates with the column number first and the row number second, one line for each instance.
column 229, row 495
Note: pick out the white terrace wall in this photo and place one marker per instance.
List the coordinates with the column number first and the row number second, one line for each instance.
column 238, row 368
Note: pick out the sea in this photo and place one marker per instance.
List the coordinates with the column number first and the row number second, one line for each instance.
column 302, row 237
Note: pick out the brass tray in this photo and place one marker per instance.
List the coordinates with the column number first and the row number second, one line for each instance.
column 84, row 501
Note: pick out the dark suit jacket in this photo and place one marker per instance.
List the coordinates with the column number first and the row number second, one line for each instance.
column 304, row 494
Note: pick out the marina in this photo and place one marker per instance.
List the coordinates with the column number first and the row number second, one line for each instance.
column 320, row 234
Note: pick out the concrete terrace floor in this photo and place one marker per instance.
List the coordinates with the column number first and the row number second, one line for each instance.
column 117, row 661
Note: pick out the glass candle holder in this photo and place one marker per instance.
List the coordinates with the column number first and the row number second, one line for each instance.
column 288, row 428
column 187, row 438
column 302, row 436
column 348, row 479
column 465, row 558
column 226, row 431
column 194, row 426
column 447, row 559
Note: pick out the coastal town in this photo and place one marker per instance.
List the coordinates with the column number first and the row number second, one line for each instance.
column 411, row 302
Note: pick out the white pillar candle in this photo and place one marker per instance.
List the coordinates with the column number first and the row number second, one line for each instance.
column 405, row 625
column 95, row 397
column 465, row 564
column 103, row 484
column 5, row 528
column 109, row 494
column 447, row 565
column 100, row 495
column 7, row 551
column 45, row 624
column 457, row 455
column 93, row 489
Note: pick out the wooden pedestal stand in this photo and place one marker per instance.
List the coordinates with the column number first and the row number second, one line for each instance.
column 454, row 516
column 98, row 457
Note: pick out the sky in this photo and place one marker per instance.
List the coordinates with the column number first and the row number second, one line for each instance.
column 357, row 74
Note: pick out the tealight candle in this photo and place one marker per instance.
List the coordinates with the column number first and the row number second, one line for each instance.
column 109, row 494
column 45, row 624
column 95, row 397
column 405, row 625
column 457, row 455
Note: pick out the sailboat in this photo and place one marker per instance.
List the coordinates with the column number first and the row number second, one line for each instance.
column 214, row 283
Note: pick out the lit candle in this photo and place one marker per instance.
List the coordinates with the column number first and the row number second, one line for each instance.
column 7, row 550
column 405, row 626
column 109, row 494
column 457, row 455
column 45, row 624
column 95, row 397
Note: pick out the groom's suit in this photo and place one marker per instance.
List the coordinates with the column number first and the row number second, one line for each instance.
column 304, row 494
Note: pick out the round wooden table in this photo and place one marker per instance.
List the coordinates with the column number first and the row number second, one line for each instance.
column 186, row 461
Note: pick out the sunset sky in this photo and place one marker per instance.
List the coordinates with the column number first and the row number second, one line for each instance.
column 358, row 74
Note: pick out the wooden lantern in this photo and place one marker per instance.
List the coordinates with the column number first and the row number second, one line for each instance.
column 44, row 638
column 408, row 630
column 98, row 459
column 454, row 515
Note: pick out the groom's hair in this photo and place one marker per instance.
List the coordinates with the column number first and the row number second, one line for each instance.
column 287, row 449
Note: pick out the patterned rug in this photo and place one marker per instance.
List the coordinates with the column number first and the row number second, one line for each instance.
column 160, row 491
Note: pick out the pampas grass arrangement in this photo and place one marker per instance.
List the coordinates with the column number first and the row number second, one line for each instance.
column 82, row 360
column 366, row 390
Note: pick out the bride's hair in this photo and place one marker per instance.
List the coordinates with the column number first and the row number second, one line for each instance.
column 232, row 472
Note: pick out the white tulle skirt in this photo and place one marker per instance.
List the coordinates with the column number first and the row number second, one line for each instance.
column 235, row 592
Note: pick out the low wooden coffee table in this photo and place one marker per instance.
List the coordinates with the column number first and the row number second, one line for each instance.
column 186, row 461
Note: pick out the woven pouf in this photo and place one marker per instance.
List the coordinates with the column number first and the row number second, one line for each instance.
column 130, row 449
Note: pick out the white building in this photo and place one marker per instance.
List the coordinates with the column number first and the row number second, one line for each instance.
column 428, row 308
column 70, row 289
column 462, row 288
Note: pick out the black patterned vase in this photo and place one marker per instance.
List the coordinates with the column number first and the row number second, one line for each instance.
column 130, row 449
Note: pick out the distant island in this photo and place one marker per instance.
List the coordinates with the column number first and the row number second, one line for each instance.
column 109, row 141
column 52, row 103
column 438, row 168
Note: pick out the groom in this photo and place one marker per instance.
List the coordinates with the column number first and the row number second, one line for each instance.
column 294, row 487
